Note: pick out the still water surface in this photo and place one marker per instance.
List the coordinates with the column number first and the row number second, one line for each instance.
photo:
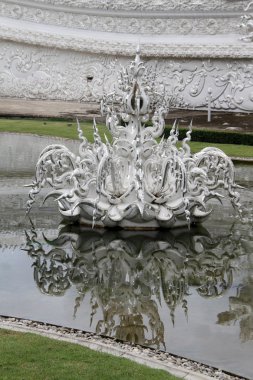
column 188, row 292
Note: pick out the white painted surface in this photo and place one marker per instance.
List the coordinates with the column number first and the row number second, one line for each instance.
column 50, row 48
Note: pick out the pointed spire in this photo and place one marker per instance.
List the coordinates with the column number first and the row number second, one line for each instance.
column 138, row 53
column 79, row 130
column 96, row 136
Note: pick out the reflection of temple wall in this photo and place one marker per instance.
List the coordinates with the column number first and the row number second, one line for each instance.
column 19, row 153
column 14, row 158
column 241, row 309
column 13, row 200
column 72, row 50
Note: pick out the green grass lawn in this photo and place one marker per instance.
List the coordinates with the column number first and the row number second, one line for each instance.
column 67, row 129
column 29, row 357
column 232, row 150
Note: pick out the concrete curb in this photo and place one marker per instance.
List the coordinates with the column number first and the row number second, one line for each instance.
column 246, row 160
column 136, row 355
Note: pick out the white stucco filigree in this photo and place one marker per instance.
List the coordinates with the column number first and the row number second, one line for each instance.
column 46, row 74
column 246, row 24
column 154, row 5
column 196, row 23
column 49, row 49
column 135, row 181
column 37, row 73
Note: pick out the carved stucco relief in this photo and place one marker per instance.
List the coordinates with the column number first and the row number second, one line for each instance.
column 246, row 24
column 227, row 84
column 101, row 43
column 48, row 74
column 150, row 5
column 43, row 73
column 194, row 24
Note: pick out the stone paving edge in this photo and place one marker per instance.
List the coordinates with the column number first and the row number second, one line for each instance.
column 140, row 358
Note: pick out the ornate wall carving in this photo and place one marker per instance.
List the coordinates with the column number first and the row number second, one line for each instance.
column 184, row 23
column 122, row 45
column 48, row 74
column 33, row 72
column 50, row 47
column 246, row 24
column 154, row 5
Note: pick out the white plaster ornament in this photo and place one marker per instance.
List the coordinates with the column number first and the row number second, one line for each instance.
column 247, row 24
column 135, row 181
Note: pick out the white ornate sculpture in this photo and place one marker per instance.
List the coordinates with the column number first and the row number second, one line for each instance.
column 249, row 6
column 135, row 181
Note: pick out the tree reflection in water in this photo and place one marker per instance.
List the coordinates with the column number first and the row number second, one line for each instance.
column 241, row 306
column 128, row 273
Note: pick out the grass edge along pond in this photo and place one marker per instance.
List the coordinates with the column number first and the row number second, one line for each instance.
column 30, row 356
column 67, row 129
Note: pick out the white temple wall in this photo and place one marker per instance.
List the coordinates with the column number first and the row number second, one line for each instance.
column 73, row 49
column 35, row 72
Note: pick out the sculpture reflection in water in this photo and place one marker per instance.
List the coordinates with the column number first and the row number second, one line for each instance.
column 129, row 274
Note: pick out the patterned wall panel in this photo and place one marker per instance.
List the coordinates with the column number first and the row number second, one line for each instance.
column 44, row 73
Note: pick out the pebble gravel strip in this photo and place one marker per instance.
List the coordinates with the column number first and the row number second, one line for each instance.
column 178, row 366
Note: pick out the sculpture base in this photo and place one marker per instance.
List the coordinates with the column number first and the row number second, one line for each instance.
column 131, row 225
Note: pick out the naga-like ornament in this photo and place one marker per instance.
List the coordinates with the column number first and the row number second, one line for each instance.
column 137, row 180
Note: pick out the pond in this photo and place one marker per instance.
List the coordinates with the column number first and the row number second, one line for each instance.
column 189, row 292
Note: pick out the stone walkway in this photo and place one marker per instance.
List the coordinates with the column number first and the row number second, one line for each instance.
column 45, row 108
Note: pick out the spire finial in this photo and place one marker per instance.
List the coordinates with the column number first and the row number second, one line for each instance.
column 137, row 56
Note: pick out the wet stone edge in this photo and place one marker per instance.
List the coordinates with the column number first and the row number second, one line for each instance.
column 189, row 369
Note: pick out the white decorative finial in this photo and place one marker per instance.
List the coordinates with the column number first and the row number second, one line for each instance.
column 137, row 56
